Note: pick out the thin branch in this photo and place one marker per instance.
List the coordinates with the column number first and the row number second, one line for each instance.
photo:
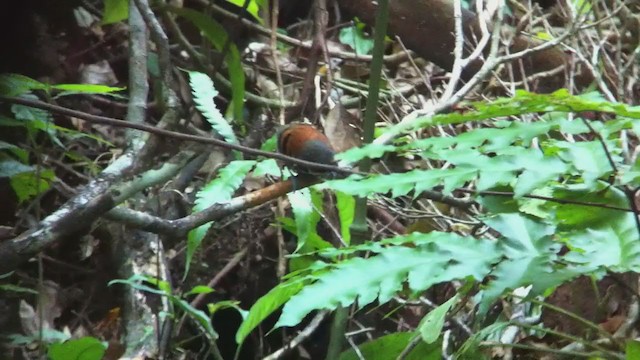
column 181, row 226
column 164, row 56
column 487, row 67
column 493, row 60
column 198, row 300
column 175, row 135
column 395, row 58
column 298, row 339
column 546, row 198
column 273, row 43
column 458, row 63
column 629, row 193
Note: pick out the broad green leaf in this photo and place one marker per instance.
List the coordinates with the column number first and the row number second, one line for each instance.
column 227, row 304
column 36, row 120
column 115, row 11
column 539, row 170
column 17, row 289
column 582, row 6
column 346, row 205
column 530, row 180
column 20, row 153
column 72, row 134
column 499, row 204
column 86, row 348
column 203, row 94
column 199, row 289
column 630, row 173
column 252, row 8
column 86, row 89
column 536, row 207
column 313, row 242
column 48, row 336
column 632, row 349
column 541, row 271
column 32, row 114
column 139, row 282
column 431, row 325
column 544, row 36
column 162, row 285
column 16, row 84
column 271, row 144
column 266, row 305
column 486, row 140
column 391, row 346
column 354, row 37
column 10, row 122
column 216, row 34
column 29, row 184
column 198, row 315
column 10, row 168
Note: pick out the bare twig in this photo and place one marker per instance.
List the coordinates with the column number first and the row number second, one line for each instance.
column 492, row 61
column 198, row 300
column 172, row 134
column 298, row 339
column 395, row 58
column 275, row 9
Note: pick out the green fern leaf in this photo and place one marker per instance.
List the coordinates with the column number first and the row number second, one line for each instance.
column 531, row 258
column 217, row 35
column 203, row 94
column 390, row 346
column 401, row 184
column 382, row 276
column 219, row 190
column 612, row 244
column 575, row 217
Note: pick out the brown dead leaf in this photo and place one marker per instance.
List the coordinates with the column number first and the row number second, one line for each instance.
column 114, row 351
column 252, row 183
column 99, row 73
column 340, row 129
column 109, row 326
column 612, row 324
column 28, row 318
column 354, row 70
column 49, row 296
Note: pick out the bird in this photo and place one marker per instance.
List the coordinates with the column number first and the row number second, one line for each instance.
column 305, row 142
